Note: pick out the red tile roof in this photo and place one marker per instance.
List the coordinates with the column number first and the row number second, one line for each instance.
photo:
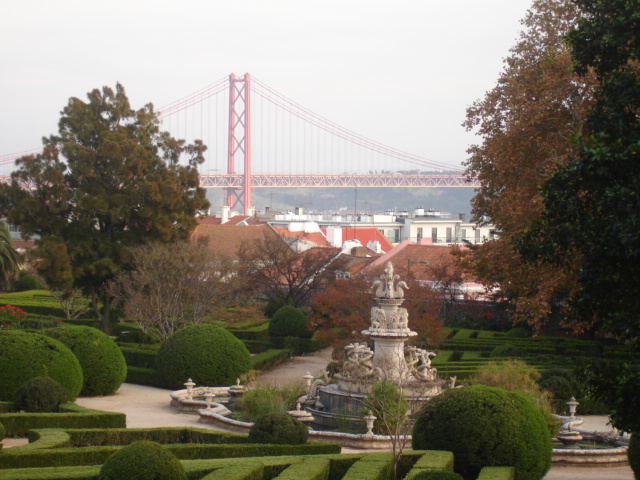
column 226, row 239
column 364, row 236
column 317, row 238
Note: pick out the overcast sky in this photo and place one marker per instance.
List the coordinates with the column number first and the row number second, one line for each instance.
column 402, row 73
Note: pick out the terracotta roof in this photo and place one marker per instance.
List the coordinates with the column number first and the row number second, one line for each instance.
column 226, row 239
column 415, row 258
column 209, row 220
column 364, row 236
column 316, row 238
column 353, row 264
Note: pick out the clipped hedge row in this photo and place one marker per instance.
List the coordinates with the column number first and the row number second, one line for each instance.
column 320, row 467
column 142, row 356
column 143, row 376
column 71, row 416
column 62, row 448
column 259, row 333
column 266, row 360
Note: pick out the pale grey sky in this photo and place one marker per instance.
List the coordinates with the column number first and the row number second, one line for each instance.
column 400, row 72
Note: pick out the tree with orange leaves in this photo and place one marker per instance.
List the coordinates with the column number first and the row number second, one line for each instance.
column 527, row 123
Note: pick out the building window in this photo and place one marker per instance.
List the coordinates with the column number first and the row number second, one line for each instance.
column 419, row 233
column 477, row 235
column 463, row 234
column 449, row 230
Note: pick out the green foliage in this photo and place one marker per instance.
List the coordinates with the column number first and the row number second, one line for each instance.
column 507, row 350
column 289, row 322
column 633, row 454
column 24, row 355
column 518, row 332
column 559, row 387
column 263, row 400
column 69, row 416
column 273, row 305
column 143, row 460
column 103, row 365
column 389, row 407
column 3, row 431
column 27, row 282
column 436, row 475
column 9, row 258
column 592, row 210
column 486, row 426
column 270, row 358
column 110, row 180
column 206, row 353
column 40, row 394
column 279, row 429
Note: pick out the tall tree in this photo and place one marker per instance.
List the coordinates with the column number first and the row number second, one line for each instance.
column 592, row 206
column 173, row 285
column 9, row 257
column 279, row 273
column 527, row 123
column 109, row 180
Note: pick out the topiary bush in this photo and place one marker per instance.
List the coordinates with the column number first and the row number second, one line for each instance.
column 103, row 365
column 206, row 353
column 289, row 322
column 40, row 394
column 518, row 332
column 507, row 350
column 279, row 429
column 486, row 426
column 143, row 460
column 27, row 282
column 24, row 355
column 633, row 454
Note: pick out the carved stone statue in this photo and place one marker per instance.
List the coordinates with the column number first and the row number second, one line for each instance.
column 385, row 286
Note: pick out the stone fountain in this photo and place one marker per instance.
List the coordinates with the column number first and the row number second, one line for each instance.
column 408, row 367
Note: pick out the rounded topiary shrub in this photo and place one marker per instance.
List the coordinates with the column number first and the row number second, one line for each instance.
column 507, row 350
column 103, row 365
column 206, row 353
column 278, row 428
column 24, row 355
column 518, row 332
column 40, row 394
column 142, row 460
column 289, row 322
column 486, row 426
column 633, row 454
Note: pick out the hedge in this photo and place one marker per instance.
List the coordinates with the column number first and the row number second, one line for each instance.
column 143, row 356
column 353, row 466
column 266, row 360
column 68, row 447
column 497, row 473
column 71, row 416
column 143, row 376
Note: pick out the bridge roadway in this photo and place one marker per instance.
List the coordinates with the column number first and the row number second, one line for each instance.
column 237, row 181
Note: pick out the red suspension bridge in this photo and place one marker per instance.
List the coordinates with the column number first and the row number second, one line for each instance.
column 257, row 137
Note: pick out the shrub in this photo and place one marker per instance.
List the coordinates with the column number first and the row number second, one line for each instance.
column 518, row 332
column 273, row 305
column 279, row 429
column 559, row 388
column 27, row 282
column 40, row 394
column 3, row 433
column 486, row 426
column 24, row 355
column 206, row 353
column 103, row 365
column 507, row 350
column 264, row 400
column 633, row 454
column 143, row 460
column 389, row 407
column 289, row 322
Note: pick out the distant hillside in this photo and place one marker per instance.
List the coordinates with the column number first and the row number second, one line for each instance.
column 453, row 200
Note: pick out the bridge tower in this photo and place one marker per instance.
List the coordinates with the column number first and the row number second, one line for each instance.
column 240, row 139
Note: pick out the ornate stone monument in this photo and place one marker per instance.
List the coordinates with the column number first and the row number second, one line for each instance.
column 408, row 366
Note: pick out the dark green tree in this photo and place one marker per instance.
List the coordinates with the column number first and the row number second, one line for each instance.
column 109, row 180
column 9, row 258
column 591, row 204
